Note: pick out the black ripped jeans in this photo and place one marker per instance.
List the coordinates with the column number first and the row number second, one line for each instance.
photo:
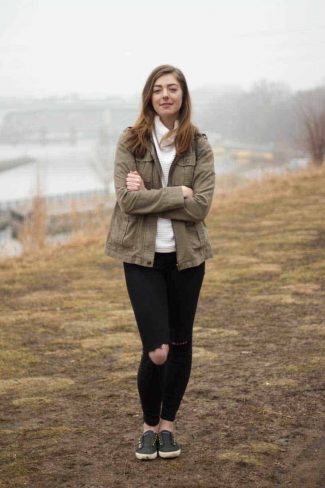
column 164, row 302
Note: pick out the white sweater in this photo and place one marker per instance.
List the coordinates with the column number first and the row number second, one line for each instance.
column 165, row 239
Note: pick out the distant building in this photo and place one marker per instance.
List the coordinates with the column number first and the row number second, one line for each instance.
column 62, row 121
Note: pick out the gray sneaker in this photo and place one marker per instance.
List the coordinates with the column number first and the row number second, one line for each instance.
column 147, row 445
column 167, row 446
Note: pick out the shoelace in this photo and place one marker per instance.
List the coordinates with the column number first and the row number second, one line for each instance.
column 172, row 437
column 141, row 438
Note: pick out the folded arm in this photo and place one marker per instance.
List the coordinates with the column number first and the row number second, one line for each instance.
column 195, row 209
column 142, row 201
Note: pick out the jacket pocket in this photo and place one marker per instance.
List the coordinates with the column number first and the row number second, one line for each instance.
column 131, row 234
column 118, row 226
column 184, row 171
column 145, row 168
column 202, row 232
column 193, row 234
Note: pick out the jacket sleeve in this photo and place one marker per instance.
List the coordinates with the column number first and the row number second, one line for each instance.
column 141, row 201
column 195, row 209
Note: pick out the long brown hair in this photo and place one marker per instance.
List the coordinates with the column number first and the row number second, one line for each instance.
column 139, row 135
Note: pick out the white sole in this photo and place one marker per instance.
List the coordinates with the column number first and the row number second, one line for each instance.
column 169, row 455
column 146, row 456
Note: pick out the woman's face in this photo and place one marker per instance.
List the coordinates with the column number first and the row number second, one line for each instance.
column 167, row 97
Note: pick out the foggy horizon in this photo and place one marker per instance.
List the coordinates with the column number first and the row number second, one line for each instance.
column 215, row 88
column 98, row 49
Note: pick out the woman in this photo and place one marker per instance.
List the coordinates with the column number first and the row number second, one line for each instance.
column 164, row 181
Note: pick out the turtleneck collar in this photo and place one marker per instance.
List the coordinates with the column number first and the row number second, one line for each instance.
column 161, row 130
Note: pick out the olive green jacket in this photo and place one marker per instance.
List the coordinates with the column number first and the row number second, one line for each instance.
column 132, row 233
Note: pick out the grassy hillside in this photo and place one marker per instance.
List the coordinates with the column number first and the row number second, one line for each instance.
column 253, row 412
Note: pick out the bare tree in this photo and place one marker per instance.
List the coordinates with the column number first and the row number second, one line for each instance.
column 311, row 110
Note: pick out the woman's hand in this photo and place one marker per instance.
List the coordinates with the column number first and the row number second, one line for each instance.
column 187, row 192
column 134, row 182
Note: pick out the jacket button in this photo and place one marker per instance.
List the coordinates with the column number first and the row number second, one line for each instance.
column 148, row 262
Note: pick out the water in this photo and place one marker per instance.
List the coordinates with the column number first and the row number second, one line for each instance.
column 58, row 169
column 61, row 169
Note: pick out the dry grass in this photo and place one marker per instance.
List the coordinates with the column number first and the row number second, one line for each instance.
column 32, row 233
column 34, row 384
column 82, row 225
column 68, row 372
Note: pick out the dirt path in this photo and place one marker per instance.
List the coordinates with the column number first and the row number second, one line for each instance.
column 253, row 414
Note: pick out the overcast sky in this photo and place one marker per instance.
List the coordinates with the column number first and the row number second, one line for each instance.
column 109, row 47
